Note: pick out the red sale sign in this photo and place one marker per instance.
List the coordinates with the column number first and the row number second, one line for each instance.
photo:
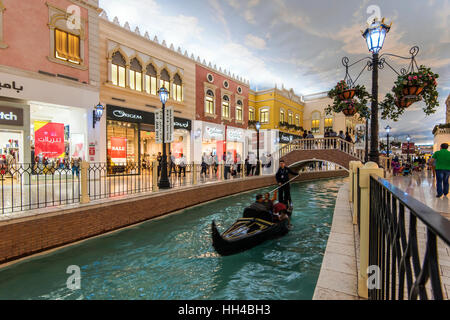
column 118, row 150
column 49, row 139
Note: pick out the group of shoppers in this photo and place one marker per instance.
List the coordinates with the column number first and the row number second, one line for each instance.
column 172, row 164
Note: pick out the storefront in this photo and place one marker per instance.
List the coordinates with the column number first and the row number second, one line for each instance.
column 11, row 133
column 131, row 139
column 235, row 143
column 213, row 141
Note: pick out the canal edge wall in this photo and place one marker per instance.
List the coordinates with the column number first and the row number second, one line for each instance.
column 33, row 234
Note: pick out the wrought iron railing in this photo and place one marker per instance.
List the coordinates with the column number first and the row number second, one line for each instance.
column 27, row 186
column 335, row 143
column 406, row 272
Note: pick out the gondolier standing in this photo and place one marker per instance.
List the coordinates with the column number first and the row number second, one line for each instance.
column 282, row 177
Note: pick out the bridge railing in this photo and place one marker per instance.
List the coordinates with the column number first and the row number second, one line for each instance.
column 334, row 143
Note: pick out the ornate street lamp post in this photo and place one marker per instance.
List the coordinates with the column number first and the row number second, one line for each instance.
column 97, row 114
column 258, row 127
column 164, row 181
column 375, row 35
column 388, row 130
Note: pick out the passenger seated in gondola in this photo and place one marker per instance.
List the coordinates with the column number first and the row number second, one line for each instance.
column 280, row 213
column 258, row 209
column 268, row 201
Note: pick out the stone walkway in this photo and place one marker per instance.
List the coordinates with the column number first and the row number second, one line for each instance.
column 338, row 275
column 339, row 272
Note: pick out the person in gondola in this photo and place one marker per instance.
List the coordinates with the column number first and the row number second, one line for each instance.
column 269, row 201
column 282, row 177
column 259, row 209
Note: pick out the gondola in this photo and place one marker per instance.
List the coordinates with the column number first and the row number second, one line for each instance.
column 247, row 233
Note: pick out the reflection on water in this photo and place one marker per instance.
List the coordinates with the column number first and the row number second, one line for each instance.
column 172, row 258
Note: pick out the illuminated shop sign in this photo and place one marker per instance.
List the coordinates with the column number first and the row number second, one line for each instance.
column 180, row 123
column 129, row 115
column 235, row 135
column 11, row 116
column 287, row 138
column 214, row 133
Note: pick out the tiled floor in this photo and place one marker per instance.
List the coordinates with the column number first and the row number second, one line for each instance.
column 422, row 186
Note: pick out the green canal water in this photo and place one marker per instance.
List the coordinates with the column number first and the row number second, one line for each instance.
column 172, row 257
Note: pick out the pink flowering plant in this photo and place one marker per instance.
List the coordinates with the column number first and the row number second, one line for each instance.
column 358, row 104
column 424, row 80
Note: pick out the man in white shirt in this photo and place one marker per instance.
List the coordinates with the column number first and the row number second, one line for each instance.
column 182, row 165
column 228, row 163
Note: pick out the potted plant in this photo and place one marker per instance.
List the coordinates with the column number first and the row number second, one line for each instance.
column 408, row 89
column 355, row 103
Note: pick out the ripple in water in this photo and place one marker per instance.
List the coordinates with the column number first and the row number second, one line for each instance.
column 172, row 258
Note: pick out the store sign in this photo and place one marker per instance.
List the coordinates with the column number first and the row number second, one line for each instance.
column 49, row 139
column 235, row 135
column 11, row 116
column 118, row 149
column 180, row 123
column 213, row 133
column 408, row 149
column 12, row 86
column 287, row 138
column 129, row 115
column 255, row 140
column 169, row 125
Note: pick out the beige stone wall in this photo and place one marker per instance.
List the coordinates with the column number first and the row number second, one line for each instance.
column 340, row 121
column 111, row 37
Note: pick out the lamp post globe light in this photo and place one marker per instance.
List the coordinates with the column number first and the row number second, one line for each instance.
column 258, row 127
column 164, row 181
column 375, row 35
column 97, row 113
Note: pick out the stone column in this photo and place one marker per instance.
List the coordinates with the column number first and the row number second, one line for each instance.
column 370, row 168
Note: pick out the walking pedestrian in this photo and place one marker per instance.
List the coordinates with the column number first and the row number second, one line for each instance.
column 172, row 165
column 182, row 166
column 441, row 160
column 159, row 159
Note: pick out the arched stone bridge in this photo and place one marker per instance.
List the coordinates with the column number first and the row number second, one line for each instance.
column 335, row 150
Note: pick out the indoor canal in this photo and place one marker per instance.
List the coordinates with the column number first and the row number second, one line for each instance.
column 173, row 258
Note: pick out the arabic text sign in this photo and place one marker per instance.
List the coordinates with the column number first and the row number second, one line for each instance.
column 118, row 149
column 6, row 85
column 49, row 139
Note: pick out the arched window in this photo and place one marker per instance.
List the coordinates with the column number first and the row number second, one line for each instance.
column 135, row 75
column 165, row 80
column 264, row 116
column 209, row 102
column 225, row 107
column 118, row 70
column 150, row 80
column 282, row 115
column 315, row 124
column 328, row 124
column 297, row 120
column 239, row 111
column 251, row 114
column 177, row 89
column 290, row 118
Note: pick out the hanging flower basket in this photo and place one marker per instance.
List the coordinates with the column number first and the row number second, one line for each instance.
column 412, row 90
column 350, row 110
column 347, row 94
column 349, row 101
column 408, row 89
column 403, row 102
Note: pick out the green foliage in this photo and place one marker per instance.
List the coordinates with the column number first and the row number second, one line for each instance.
column 423, row 78
column 359, row 101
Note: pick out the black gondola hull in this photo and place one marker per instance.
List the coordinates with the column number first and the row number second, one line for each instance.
column 227, row 247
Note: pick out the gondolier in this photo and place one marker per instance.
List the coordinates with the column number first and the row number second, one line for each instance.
column 282, row 177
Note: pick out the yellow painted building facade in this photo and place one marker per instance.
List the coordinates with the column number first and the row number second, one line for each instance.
column 274, row 106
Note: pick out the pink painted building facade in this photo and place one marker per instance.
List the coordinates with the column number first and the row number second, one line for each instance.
column 49, row 78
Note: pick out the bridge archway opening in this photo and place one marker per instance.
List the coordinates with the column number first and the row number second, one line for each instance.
column 317, row 165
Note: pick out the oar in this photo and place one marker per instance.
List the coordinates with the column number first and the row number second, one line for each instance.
column 285, row 183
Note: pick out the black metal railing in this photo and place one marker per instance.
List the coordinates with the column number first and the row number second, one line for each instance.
column 27, row 186
column 406, row 271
